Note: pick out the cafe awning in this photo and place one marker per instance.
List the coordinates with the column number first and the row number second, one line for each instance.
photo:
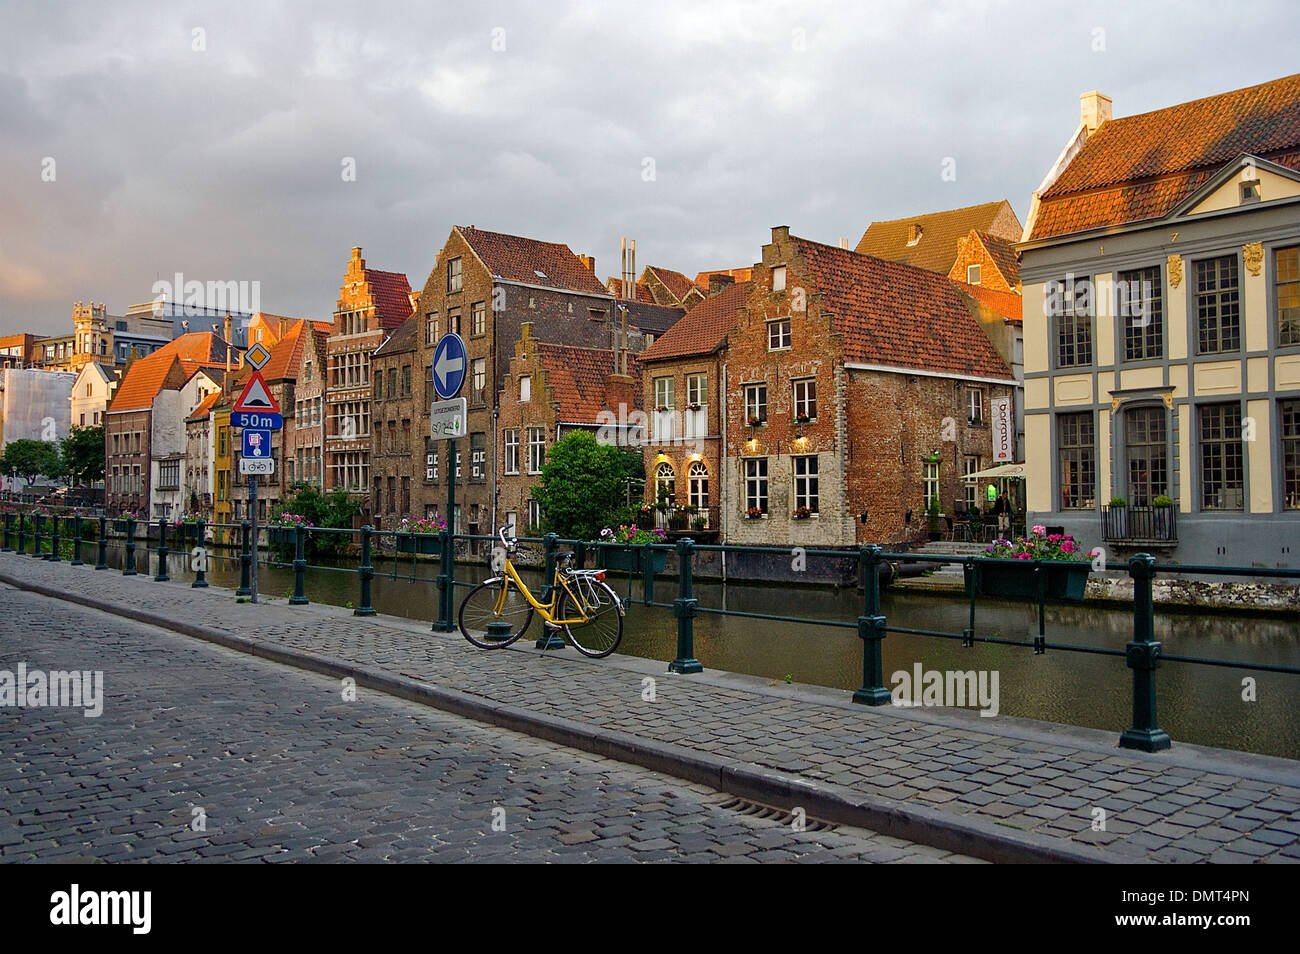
column 1014, row 471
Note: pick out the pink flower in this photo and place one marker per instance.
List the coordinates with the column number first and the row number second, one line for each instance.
column 1039, row 530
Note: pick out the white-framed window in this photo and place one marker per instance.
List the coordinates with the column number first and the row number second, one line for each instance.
column 970, row 465
column 663, row 393
column 805, row 482
column 975, row 405
column 525, row 387
column 512, row 451
column 478, row 319
column 697, row 389
column 536, row 449
column 756, row 403
column 698, row 478
column 778, row 334
column 455, row 280
column 431, row 328
column 805, row 398
column 778, row 278
column 478, row 380
column 695, row 418
column 972, row 274
column 663, row 409
column 756, row 484
column 930, row 478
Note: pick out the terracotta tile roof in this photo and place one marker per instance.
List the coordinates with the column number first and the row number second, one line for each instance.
column 615, row 287
column 1007, row 304
column 677, row 284
column 739, row 274
column 391, row 293
column 703, row 329
column 897, row 315
column 576, row 376
column 513, row 258
column 937, row 248
column 1004, row 256
column 401, row 340
column 205, row 406
column 145, row 377
column 286, row 356
column 1141, row 167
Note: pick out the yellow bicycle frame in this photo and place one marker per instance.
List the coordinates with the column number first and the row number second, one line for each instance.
column 546, row 609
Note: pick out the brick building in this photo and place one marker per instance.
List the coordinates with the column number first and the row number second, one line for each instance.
column 304, row 421
column 850, row 383
column 486, row 286
column 394, row 413
column 682, row 382
column 550, row 390
column 371, row 304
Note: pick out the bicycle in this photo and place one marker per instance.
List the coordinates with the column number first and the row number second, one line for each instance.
column 582, row 605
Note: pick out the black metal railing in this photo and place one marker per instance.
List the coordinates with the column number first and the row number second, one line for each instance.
column 1140, row 526
column 291, row 547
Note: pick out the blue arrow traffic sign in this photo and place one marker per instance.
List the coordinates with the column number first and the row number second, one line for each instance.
column 449, row 361
column 257, row 444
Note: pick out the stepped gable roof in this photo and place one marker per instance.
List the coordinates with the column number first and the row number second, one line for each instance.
column 897, row 315
column 513, row 258
column 936, row 247
column 703, row 329
column 1141, row 167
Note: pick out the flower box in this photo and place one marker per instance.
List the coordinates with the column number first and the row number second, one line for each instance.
column 427, row 543
column 1017, row 580
column 186, row 531
column 282, row 535
column 121, row 525
column 631, row 560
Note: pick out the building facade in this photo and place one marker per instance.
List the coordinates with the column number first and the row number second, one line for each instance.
column 1162, row 332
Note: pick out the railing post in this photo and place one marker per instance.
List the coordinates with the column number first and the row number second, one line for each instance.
column 871, row 630
column 101, row 563
column 201, row 566
column 129, row 568
column 1040, row 582
column 365, row 573
column 1143, row 655
column 299, row 597
column 245, row 561
column 36, row 535
column 53, row 555
column 550, row 638
column 8, row 525
column 22, row 532
column 446, row 584
column 647, row 573
column 76, row 541
column 161, row 576
column 971, row 572
column 684, row 609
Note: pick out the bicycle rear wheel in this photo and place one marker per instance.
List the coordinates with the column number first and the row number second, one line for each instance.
column 602, row 630
column 490, row 620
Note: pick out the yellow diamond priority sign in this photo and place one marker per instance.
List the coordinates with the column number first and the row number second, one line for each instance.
column 256, row 356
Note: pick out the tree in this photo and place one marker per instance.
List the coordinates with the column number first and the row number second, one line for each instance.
column 583, row 484
column 334, row 509
column 83, row 455
column 30, row 459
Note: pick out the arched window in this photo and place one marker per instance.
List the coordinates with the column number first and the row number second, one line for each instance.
column 699, row 485
column 665, row 482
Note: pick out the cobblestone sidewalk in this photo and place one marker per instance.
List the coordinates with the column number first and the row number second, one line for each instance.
column 1186, row 806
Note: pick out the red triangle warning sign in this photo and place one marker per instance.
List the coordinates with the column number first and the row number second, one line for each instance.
column 256, row 396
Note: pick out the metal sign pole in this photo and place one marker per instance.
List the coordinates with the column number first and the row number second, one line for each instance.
column 252, row 507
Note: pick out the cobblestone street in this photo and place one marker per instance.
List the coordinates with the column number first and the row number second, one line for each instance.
column 282, row 769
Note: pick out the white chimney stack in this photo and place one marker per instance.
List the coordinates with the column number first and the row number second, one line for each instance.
column 1094, row 109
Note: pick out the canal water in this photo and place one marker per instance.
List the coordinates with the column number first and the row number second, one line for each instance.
column 1199, row 704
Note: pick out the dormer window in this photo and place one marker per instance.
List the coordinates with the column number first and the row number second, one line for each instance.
column 972, row 274
column 1250, row 191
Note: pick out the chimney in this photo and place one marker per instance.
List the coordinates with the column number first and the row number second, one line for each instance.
column 914, row 232
column 620, row 389
column 227, row 329
column 1094, row 109
column 281, row 331
column 588, row 262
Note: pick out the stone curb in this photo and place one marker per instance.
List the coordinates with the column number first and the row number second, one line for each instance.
column 832, row 803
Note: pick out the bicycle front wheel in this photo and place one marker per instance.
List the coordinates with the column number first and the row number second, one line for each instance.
column 601, row 630
column 494, row 614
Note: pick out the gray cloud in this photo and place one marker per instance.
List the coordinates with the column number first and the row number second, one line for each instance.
column 225, row 163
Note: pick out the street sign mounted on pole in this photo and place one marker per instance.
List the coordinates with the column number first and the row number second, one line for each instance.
column 256, row 443
column 256, row 407
column 256, row 357
column 447, row 418
column 253, row 465
column 449, row 363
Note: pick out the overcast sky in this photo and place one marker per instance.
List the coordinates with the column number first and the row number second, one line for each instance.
column 211, row 138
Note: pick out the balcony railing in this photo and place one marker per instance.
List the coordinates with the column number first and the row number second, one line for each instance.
column 1144, row 526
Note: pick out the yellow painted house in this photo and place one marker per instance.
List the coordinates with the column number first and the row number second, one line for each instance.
column 1161, row 277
